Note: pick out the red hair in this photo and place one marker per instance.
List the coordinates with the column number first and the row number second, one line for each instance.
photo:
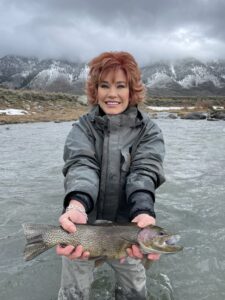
column 107, row 61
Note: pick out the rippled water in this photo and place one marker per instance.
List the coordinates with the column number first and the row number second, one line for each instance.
column 191, row 202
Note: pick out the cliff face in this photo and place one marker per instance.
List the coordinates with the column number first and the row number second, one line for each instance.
column 187, row 77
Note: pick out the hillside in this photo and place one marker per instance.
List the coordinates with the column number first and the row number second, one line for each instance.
column 40, row 106
column 43, row 106
column 186, row 77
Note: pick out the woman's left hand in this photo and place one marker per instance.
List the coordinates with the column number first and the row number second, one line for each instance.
column 142, row 221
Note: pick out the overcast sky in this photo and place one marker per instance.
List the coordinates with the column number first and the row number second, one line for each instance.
column 81, row 29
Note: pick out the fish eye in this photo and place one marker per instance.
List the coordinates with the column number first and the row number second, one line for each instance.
column 161, row 233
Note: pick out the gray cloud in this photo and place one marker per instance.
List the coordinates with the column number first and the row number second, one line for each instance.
column 77, row 29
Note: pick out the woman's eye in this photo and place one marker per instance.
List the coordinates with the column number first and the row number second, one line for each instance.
column 121, row 86
column 104, row 86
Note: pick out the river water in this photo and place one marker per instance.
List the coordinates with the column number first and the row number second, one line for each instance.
column 191, row 202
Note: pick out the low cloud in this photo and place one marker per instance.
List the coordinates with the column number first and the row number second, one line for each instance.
column 79, row 30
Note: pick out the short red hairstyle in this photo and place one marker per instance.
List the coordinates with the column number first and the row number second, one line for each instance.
column 107, row 61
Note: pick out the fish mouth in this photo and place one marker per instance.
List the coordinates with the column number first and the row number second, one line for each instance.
column 166, row 244
column 173, row 240
column 170, row 244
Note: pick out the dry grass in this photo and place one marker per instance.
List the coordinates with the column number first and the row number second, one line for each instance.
column 198, row 102
column 47, row 115
column 44, row 107
column 41, row 107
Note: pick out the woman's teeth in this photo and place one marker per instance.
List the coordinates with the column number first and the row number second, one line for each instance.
column 112, row 103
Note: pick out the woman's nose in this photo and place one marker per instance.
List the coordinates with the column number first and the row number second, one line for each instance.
column 112, row 92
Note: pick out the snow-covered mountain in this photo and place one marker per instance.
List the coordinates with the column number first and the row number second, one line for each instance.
column 49, row 74
column 165, row 78
column 185, row 77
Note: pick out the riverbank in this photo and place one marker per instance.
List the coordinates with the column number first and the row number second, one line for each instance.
column 45, row 113
column 18, row 106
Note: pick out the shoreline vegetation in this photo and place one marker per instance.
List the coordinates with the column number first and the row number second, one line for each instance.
column 39, row 106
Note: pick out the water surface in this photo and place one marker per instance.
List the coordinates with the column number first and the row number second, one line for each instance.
column 191, row 202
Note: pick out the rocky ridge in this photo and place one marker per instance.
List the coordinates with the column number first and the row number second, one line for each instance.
column 187, row 77
column 50, row 75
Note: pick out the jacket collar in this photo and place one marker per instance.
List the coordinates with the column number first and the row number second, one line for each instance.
column 131, row 117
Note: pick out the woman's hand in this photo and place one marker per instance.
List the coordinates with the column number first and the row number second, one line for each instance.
column 68, row 221
column 142, row 221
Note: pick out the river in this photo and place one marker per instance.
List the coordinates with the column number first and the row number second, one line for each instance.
column 191, row 202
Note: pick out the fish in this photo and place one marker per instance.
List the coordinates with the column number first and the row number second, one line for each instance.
column 104, row 240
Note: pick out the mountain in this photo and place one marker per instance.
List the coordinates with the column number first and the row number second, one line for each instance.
column 49, row 74
column 186, row 77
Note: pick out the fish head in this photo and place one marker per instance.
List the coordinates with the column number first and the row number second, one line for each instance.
column 156, row 239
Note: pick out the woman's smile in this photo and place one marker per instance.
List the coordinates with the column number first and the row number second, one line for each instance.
column 113, row 92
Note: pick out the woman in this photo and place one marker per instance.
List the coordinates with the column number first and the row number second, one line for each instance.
column 113, row 164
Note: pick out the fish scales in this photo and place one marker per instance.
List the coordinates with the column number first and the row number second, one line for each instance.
column 108, row 241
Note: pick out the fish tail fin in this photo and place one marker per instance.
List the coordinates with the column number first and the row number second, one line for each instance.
column 35, row 242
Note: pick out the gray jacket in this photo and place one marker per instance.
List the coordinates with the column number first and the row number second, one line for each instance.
column 115, row 162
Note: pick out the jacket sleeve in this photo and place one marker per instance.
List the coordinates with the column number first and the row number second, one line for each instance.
column 146, row 170
column 81, row 169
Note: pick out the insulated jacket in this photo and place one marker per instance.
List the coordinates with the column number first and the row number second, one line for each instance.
column 113, row 164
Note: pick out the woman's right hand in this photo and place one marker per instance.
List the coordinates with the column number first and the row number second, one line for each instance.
column 68, row 221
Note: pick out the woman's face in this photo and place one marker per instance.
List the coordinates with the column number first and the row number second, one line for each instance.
column 113, row 92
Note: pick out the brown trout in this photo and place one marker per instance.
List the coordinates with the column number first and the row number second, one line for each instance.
column 108, row 241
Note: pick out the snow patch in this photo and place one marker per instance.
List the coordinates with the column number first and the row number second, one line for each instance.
column 187, row 82
column 165, row 108
column 53, row 73
column 158, row 79
column 84, row 73
column 199, row 75
column 13, row 112
column 218, row 107
column 173, row 70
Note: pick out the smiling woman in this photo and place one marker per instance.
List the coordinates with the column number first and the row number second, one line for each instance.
column 113, row 164
column 113, row 62
column 113, row 92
